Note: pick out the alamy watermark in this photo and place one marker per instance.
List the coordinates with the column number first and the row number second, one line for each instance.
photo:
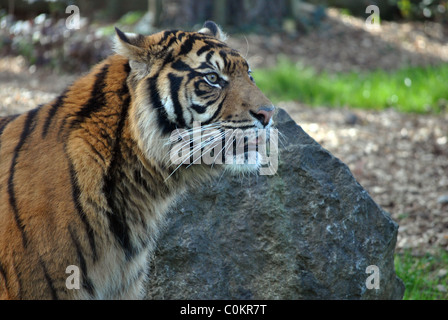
column 72, row 281
column 373, row 281
column 73, row 21
column 373, row 20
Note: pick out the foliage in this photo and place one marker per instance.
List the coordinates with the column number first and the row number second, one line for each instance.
column 130, row 18
column 412, row 89
column 423, row 9
column 425, row 277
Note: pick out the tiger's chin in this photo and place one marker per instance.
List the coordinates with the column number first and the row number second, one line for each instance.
column 246, row 163
column 241, row 169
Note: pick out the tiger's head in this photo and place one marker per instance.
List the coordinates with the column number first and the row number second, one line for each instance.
column 199, row 94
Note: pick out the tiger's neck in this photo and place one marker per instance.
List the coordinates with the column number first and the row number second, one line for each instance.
column 124, row 178
column 137, row 200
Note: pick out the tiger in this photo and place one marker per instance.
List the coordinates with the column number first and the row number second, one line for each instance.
column 86, row 180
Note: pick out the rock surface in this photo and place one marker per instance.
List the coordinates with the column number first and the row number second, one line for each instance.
column 308, row 232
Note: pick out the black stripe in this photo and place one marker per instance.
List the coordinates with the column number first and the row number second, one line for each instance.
column 117, row 221
column 4, row 122
column 209, row 56
column 205, row 94
column 47, row 277
column 199, row 109
column 216, row 114
column 117, row 215
column 3, row 275
column 227, row 62
column 162, row 118
column 97, row 98
column 239, row 121
column 175, row 85
column 53, row 109
column 167, row 34
column 168, row 59
column 187, row 46
column 172, row 40
column 223, row 55
column 101, row 98
column 127, row 70
column 206, row 65
column 61, row 128
column 214, row 43
column 143, row 183
column 96, row 102
column 179, row 65
column 180, row 35
column 86, row 281
column 203, row 49
column 241, row 128
column 202, row 109
column 233, row 66
column 98, row 154
column 80, row 211
column 28, row 128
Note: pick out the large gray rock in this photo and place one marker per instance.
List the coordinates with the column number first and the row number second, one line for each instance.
column 308, row 232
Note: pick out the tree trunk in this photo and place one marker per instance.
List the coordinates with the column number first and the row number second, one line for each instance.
column 220, row 12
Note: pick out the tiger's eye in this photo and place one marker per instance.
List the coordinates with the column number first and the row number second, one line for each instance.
column 212, row 77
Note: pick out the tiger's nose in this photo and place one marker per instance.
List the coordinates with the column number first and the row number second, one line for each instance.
column 264, row 114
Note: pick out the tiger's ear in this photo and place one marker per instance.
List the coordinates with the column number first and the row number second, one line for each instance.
column 130, row 45
column 212, row 29
column 135, row 48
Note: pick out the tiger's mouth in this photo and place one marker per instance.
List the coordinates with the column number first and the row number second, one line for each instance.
column 237, row 149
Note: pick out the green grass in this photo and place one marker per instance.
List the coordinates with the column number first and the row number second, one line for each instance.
column 413, row 89
column 422, row 275
column 131, row 18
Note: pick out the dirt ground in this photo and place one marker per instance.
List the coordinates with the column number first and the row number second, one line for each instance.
column 401, row 159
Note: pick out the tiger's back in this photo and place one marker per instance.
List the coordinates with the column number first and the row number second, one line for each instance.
column 85, row 180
